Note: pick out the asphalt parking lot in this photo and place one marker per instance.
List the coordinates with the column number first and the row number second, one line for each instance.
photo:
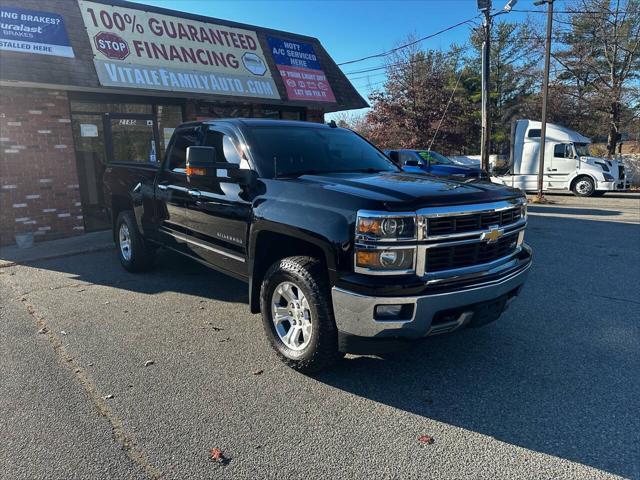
column 549, row 391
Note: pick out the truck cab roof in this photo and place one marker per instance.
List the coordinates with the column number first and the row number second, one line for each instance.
column 258, row 122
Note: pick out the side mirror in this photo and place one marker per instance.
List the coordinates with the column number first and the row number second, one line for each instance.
column 201, row 162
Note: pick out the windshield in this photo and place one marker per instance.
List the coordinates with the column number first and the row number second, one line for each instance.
column 435, row 158
column 299, row 150
column 582, row 149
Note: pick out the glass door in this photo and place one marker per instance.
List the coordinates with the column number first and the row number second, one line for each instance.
column 89, row 140
column 132, row 138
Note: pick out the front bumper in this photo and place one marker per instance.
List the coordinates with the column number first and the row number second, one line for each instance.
column 429, row 314
column 620, row 185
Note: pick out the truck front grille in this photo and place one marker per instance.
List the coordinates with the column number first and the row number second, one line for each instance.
column 472, row 222
column 468, row 254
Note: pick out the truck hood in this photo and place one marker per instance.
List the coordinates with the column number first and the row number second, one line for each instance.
column 402, row 190
column 593, row 160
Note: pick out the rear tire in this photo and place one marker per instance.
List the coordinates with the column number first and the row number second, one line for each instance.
column 295, row 293
column 134, row 253
column 583, row 186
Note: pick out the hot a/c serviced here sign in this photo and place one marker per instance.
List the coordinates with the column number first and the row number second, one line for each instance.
column 30, row 31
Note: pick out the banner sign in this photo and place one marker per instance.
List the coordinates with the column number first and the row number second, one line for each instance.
column 138, row 49
column 300, row 70
column 29, row 31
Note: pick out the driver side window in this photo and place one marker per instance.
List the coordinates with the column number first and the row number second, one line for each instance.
column 563, row 150
column 227, row 148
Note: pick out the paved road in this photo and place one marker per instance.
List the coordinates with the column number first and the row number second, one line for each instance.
column 550, row 391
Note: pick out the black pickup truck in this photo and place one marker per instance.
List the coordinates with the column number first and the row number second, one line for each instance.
column 342, row 251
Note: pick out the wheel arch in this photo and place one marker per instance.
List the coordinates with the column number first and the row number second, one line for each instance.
column 577, row 176
column 119, row 203
column 268, row 246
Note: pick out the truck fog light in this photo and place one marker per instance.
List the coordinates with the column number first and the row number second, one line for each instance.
column 393, row 312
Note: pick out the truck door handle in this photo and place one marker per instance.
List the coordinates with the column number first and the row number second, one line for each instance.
column 162, row 186
column 194, row 193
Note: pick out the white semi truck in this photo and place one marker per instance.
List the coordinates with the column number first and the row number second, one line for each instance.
column 567, row 162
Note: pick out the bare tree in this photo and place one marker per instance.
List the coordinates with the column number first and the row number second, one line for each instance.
column 600, row 56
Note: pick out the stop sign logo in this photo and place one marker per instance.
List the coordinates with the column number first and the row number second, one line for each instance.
column 111, row 45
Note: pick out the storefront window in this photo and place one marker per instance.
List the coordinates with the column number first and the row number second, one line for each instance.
column 84, row 106
column 169, row 117
column 289, row 115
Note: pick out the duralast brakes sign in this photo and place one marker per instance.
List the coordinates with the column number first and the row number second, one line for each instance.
column 137, row 49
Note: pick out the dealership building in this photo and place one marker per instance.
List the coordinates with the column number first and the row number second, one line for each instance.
column 87, row 83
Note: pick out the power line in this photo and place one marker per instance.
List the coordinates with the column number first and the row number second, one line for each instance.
column 389, row 52
column 446, row 108
column 560, row 11
column 384, row 67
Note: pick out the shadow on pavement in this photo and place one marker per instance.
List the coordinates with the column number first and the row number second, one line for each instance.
column 171, row 273
column 573, row 211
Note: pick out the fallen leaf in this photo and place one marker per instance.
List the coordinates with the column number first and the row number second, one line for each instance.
column 257, row 372
column 149, row 362
column 426, row 439
column 218, row 457
column 43, row 330
column 225, row 339
column 62, row 332
column 108, row 397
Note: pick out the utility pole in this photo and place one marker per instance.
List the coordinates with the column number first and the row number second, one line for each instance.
column 485, row 142
column 545, row 92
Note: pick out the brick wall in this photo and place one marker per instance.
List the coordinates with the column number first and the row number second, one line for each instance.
column 38, row 180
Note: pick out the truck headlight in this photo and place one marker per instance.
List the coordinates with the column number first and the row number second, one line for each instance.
column 386, row 227
column 399, row 260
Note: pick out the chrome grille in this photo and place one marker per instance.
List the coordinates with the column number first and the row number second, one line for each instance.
column 472, row 222
column 448, row 257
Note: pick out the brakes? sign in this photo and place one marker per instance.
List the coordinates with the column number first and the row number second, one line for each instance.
column 111, row 45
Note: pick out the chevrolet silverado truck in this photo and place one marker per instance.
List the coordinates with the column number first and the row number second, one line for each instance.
column 341, row 250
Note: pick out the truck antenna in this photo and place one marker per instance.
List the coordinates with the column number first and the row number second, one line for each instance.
column 332, row 124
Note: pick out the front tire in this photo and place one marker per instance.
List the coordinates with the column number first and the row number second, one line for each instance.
column 297, row 314
column 583, row 186
column 134, row 253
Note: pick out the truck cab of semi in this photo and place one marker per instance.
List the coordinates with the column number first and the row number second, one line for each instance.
column 340, row 249
column 568, row 165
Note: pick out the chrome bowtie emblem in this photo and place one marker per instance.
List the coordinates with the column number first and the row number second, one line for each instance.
column 493, row 235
